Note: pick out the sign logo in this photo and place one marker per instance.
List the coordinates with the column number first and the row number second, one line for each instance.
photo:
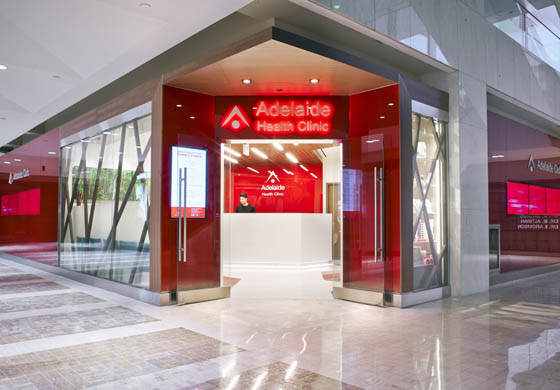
column 542, row 165
column 284, row 117
column 18, row 175
column 235, row 120
column 272, row 177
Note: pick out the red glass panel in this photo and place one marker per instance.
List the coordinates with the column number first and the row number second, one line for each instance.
column 537, row 200
column 552, row 201
column 517, row 198
column 34, row 198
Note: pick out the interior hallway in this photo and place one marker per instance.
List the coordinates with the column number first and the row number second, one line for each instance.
column 59, row 334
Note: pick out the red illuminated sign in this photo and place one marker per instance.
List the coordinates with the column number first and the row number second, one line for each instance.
column 284, row 117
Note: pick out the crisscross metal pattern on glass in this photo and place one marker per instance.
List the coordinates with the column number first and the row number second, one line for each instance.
column 105, row 203
column 429, row 202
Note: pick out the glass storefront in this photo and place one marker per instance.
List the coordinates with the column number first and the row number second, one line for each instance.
column 105, row 203
column 429, row 205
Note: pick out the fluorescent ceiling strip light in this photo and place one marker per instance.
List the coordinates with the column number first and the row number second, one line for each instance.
column 230, row 150
column 304, row 168
column 254, row 170
column 292, row 158
column 288, row 172
column 259, row 153
column 314, row 175
column 231, row 159
column 278, row 146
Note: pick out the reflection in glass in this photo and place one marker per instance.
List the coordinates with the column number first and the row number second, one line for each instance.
column 105, row 203
column 429, row 206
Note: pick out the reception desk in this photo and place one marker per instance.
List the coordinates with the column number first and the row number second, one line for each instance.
column 287, row 239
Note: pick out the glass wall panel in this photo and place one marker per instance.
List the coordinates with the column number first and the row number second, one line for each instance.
column 105, row 203
column 429, row 202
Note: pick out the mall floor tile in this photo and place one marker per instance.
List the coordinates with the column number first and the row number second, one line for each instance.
column 30, row 287
column 18, row 278
column 60, row 334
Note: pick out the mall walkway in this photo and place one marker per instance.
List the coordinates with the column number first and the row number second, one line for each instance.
column 59, row 334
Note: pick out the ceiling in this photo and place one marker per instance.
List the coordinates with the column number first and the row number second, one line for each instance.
column 59, row 52
column 276, row 68
column 305, row 153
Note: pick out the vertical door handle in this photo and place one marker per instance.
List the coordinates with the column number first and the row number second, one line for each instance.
column 375, row 211
column 381, row 215
column 185, row 215
column 179, row 216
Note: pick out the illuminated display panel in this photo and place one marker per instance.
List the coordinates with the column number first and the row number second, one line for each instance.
column 552, row 201
column 517, row 198
column 22, row 203
column 537, row 200
column 195, row 161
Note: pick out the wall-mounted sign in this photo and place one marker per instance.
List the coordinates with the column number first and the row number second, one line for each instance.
column 18, row 175
column 282, row 117
column 542, row 165
column 195, row 162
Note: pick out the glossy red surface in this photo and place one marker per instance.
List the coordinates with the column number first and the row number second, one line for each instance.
column 31, row 227
column 202, row 268
column 366, row 122
column 301, row 193
column 537, row 200
column 525, row 240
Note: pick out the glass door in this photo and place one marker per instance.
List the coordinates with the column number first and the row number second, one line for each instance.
column 364, row 213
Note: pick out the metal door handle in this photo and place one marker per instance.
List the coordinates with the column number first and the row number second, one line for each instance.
column 381, row 216
column 375, row 211
column 182, row 215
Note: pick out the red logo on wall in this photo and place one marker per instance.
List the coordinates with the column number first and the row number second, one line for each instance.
column 284, row 117
column 235, row 120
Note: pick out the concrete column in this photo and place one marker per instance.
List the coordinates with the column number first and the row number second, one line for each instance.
column 468, row 185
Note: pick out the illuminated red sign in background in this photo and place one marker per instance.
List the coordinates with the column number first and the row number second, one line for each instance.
column 294, row 192
column 276, row 116
column 526, row 199
column 22, row 203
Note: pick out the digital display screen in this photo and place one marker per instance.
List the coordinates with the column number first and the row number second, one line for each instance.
column 517, row 198
column 527, row 199
column 537, row 200
column 22, row 203
column 552, row 201
column 195, row 162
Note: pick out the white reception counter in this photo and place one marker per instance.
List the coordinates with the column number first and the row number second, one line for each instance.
column 287, row 239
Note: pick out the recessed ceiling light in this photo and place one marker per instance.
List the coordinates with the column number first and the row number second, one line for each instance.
column 179, row 105
column 314, row 81
column 51, row 153
column 3, row 67
column 381, row 117
column 371, row 141
column 498, row 156
column 278, row 146
column 7, row 162
column 144, row 5
column 192, row 117
column 390, row 104
column 336, row 6
column 17, row 159
column 246, row 81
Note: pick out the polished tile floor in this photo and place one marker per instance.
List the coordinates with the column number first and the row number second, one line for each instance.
column 59, row 334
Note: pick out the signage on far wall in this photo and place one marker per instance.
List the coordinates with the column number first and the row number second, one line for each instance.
column 542, row 165
column 18, row 175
